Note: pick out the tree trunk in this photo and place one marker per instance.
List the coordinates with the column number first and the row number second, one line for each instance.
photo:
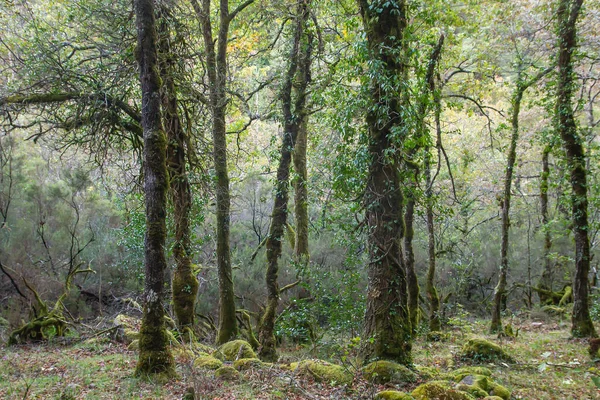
column 500, row 290
column 432, row 294
column 301, row 204
column 155, row 356
column 545, row 281
column 185, row 284
column 387, row 333
column 409, row 256
column 567, row 15
column 216, row 68
column 297, row 77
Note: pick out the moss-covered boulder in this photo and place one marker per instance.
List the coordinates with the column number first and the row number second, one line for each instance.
column 427, row 373
column 482, row 386
column 481, row 350
column 459, row 374
column 437, row 336
column 438, row 390
column 234, row 350
column 244, row 364
column 323, row 371
column 227, row 373
column 392, row 395
column 128, row 328
column 388, row 371
column 208, row 362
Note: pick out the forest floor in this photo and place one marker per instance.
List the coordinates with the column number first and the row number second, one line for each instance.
column 549, row 365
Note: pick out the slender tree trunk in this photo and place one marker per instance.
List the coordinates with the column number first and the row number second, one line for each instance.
column 387, row 328
column 301, row 203
column 216, row 68
column 297, row 77
column 432, row 294
column 545, row 281
column 185, row 284
column 155, row 356
column 409, row 255
column 567, row 15
column 301, row 192
column 500, row 290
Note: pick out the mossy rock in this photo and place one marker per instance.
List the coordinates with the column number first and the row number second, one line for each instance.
column 208, row 362
column 244, row 364
column 438, row 336
column 233, row 350
column 554, row 310
column 460, row 373
column 227, row 373
column 427, row 373
column 129, row 328
column 392, row 395
column 473, row 390
column 323, row 371
column 437, row 390
column 486, row 384
column 492, row 398
column 184, row 353
column 479, row 350
column 498, row 390
column 198, row 347
column 387, row 371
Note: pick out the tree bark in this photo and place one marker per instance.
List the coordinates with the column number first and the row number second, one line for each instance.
column 296, row 80
column 546, row 277
column 567, row 15
column 387, row 328
column 301, row 192
column 216, row 68
column 185, row 284
column 409, row 255
column 155, row 356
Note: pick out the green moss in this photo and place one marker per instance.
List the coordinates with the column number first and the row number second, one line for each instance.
column 392, row 395
column 460, row 373
column 553, row 310
column 208, row 362
column 499, row 391
column 427, row 373
column 247, row 363
column 234, row 350
column 437, row 336
column 479, row 350
column 185, row 287
column 567, row 297
column 473, row 390
column 388, row 371
column 227, row 373
column 492, row 398
column 324, row 371
column 439, row 390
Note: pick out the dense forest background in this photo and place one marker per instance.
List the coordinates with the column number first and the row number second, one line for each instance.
column 477, row 83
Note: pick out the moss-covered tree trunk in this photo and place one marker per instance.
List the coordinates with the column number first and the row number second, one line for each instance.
column 185, row 284
column 387, row 328
column 216, row 70
column 567, row 15
column 301, row 203
column 409, row 256
column 545, row 282
column 154, row 356
column 293, row 107
column 432, row 293
column 500, row 290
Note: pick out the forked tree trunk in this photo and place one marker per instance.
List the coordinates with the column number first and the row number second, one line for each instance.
column 567, row 15
column 155, row 356
column 185, row 284
column 297, row 77
column 387, row 328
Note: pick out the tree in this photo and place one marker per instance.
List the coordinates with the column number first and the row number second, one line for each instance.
column 185, row 284
column 216, row 69
column 387, row 328
column 521, row 85
column 155, row 356
column 293, row 103
column 566, row 126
